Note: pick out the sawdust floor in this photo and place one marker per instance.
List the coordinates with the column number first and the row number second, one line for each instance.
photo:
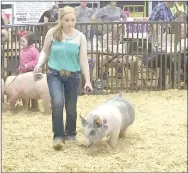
column 157, row 141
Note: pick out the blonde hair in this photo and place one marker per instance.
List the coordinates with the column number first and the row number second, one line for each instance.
column 58, row 28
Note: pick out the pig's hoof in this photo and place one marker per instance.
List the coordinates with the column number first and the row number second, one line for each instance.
column 83, row 144
column 112, row 145
column 107, row 147
column 121, row 135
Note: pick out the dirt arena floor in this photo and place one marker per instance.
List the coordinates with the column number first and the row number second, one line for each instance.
column 157, row 141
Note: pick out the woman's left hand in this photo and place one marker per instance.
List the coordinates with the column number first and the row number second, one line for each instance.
column 88, row 87
column 26, row 66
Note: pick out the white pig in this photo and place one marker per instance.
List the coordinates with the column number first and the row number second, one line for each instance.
column 25, row 87
column 112, row 118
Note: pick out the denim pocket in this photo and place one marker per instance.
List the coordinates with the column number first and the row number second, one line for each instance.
column 52, row 72
column 75, row 75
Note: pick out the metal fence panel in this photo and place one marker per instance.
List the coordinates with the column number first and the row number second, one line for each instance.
column 130, row 56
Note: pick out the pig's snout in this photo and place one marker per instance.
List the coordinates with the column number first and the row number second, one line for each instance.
column 87, row 142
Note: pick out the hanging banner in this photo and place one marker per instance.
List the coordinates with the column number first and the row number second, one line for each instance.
column 30, row 12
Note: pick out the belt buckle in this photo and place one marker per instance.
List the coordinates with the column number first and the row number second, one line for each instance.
column 65, row 73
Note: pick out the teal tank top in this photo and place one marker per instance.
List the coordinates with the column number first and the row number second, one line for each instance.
column 65, row 54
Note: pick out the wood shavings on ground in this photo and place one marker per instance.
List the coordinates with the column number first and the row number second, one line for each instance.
column 157, row 140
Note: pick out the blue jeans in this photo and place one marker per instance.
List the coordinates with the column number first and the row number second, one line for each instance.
column 63, row 91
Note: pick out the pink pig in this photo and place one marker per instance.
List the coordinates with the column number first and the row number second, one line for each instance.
column 25, row 87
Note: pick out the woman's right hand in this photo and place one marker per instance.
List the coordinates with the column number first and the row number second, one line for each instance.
column 37, row 69
column 37, row 73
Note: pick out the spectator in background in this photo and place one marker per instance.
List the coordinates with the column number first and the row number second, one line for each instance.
column 179, row 6
column 50, row 15
column 84, row 14
column 161, row 12
column 110, row 13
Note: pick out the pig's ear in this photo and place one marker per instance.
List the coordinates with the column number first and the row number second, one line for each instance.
column 83, row 121
column 98, row 121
